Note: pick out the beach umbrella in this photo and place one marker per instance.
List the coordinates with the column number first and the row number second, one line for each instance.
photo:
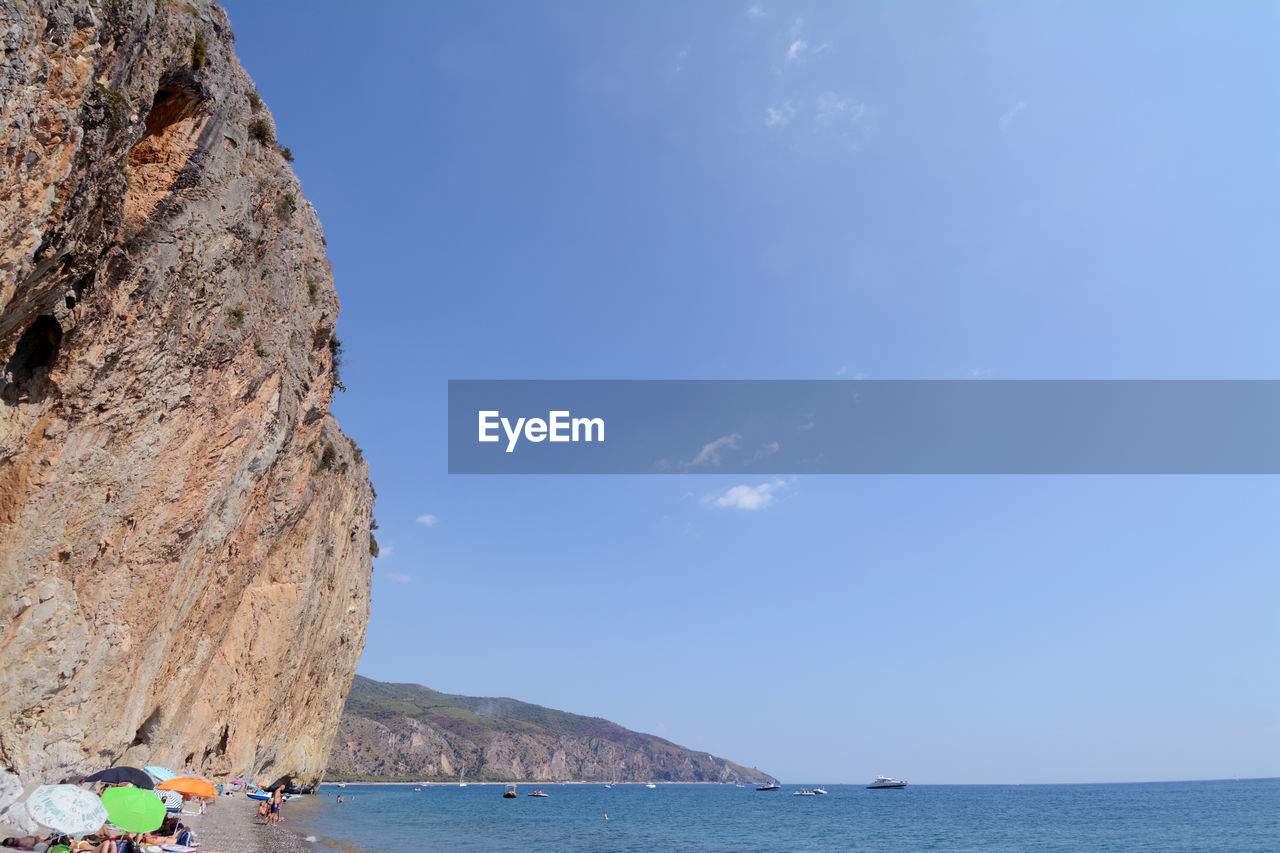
column 133, row 809
column 161, row 773
column 67, row 809
column 116, row 775
column 172, row 800
column 190, row 786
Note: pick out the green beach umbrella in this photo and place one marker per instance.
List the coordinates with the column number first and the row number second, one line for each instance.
column 133, row 809
column 66, row 809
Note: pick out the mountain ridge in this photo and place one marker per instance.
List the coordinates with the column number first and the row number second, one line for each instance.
column 410, row 731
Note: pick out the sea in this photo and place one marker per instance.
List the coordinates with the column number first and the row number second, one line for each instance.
column 1241, row 815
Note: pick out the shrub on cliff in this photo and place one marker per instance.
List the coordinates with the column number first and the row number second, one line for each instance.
column 199, row 53
column 261, row 130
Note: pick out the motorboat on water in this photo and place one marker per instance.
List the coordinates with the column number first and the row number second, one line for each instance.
column 538, row 793
column 886, row 782
column 768, row 787
column 510, row 793
column 804, row 793
column 820, row 791
column 651, row 785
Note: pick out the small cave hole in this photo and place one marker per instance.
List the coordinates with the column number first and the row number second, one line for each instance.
column 147, row 729
column 37, row 348
column 169, row 107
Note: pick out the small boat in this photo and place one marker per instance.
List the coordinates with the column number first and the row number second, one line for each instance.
column 768, row 787
column 886, row 782
column 342, row 784
column 819, row 790
column 804, row 793
column 416, row 788
column 510, row 793
column 651, row 785
column 538, row 793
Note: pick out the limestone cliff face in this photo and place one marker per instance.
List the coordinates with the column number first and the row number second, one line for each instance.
column 184, row 531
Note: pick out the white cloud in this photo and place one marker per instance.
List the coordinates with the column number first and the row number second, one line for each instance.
column 797, row 49
column 399, row 578
column 832, row 107
column 764, row 451
column 427, row 520
column 779, row 116
column 749, row 497
column 710, row 453
column 385, row 551
column 1006, row 120
column 755, row 12
column 680, row 58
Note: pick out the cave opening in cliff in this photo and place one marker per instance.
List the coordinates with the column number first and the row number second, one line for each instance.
column 37, row 348
column 143, row 735
column 159, row 157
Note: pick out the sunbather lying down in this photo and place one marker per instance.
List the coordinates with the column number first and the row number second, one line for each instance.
column 24, row 842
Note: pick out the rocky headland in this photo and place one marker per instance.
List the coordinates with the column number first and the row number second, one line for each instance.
column 184, row 530
column 406, row 731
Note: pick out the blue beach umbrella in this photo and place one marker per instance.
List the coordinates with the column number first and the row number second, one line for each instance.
column 160, row 773
column 66, row 809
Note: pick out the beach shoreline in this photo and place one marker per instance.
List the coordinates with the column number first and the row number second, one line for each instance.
column 231, row 825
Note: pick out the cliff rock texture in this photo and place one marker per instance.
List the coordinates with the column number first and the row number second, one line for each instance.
column 411, row 732
column 184, row 531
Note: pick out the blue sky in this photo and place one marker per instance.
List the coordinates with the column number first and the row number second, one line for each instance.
column 729, row 190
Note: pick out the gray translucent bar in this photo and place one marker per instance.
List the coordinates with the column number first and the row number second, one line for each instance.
column 869, row 427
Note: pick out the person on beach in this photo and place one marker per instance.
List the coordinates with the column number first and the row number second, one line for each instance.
column 277, row 800
column 264, row 811
column 24, row 842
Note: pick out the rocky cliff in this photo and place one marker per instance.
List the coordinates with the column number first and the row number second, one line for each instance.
column 411, row 732
column 184, row 531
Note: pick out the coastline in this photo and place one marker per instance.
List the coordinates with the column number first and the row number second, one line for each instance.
column 231, row 825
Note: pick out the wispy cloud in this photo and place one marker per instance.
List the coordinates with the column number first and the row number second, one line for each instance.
column 681, row 56
column 797, row 49
column 755, row 12
column 398, row 577
column 427, row 520
column 748, row 497
column 385, row 551
column 779, row 116
column 1006, row 120
column 831, row 108
column 710, row 453
column 764, row 451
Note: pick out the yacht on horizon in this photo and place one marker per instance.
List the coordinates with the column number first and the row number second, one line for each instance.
column 886, row 782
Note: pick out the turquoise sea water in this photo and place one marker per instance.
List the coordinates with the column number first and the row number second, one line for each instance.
column 1193, row 816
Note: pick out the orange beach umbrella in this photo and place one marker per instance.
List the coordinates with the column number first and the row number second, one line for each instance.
column 190, row 786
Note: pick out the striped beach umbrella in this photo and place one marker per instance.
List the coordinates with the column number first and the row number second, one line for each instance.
column 67, row 809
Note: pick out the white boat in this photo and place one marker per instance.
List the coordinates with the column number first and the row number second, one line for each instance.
column 886, row 782
column 805, row 793
column 819, row 790
column 651, row 785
